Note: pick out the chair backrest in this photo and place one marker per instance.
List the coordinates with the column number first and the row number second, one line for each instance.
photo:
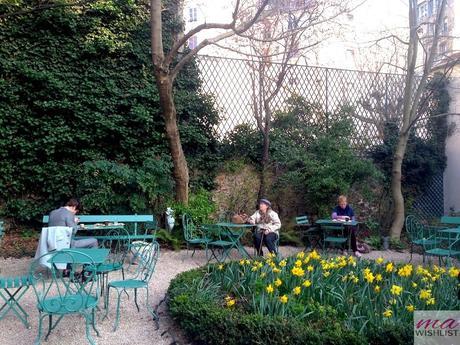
column 190, row 229
column 301, row 220
column 61, row 294
column 118, row 242
column 414, row 228
column 147, row 255
column 450, row 220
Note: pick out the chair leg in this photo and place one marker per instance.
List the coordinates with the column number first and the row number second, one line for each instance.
column 106, row 302
column 50, row 326
column 135, row 300
column 412, row 251
column 151, row 310
column 40, row 323
column 93, row 317
column 117, row 317
column 88, row 329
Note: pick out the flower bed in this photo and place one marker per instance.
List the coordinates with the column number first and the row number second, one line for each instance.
column 309, row 299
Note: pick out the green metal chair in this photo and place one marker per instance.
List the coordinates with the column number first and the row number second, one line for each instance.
column 219, row 242
column 140, row 275
column 194, row 236
column 334, row 235
column 60, row 295
column 119, row 244
column 419, row 235
column 446, row 246
column 308, row 231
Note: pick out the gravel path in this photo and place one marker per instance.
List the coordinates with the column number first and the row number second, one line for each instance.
column 134, row 328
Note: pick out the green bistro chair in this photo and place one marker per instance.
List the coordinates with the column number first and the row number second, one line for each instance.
column 419, row 235
column 59, row 295
column 446, row 246
column 219, row 244
column 12, row 289
column 308, row 231
column 118, row 243
column 139, row 278
column 334, row 235
column 194, row 236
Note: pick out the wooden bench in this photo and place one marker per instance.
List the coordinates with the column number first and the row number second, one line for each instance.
column 135, row 224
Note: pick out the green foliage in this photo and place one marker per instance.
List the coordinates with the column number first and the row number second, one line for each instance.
column 375, row 242
column 169, row 239
column 77, row 94
column 200, row 207
column 205, row 321
column 197, row 301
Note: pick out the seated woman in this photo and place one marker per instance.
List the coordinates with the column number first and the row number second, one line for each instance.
column 268, row 223
column 343, row 211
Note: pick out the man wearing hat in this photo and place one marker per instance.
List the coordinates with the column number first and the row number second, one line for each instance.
column 267, row 224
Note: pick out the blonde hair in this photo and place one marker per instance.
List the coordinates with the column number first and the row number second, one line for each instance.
column 341, row 198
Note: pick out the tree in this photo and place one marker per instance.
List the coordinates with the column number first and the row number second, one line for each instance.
column 168, row 62
column 412, row 101
column 289, row 31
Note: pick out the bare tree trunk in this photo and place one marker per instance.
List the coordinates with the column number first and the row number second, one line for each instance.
column 265, row 160
column 181, row 176
column 398, row 199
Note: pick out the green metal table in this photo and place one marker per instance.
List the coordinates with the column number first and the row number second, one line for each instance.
column 333, row 222
column 453, row 237
column 234, row 232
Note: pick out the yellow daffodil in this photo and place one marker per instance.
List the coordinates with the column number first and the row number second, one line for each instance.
column 369, row 277
column 278, row 282
column 314, row 255
column 263, row 275
column 377, row 289
column 388, row 313
column 298, row 263
column 269, row 288
column 355, row 280
column 379, row 261
column 297, row 271
column 297, row 290
column 431, row 301
column 306, row 283
column 300, row 255
column 283, row 263
column 283, row 299
column 389, row 267
column 410, row 308
column 247, row 262
column 378, row 277
column 392, row 301
column 306, row 260
column 230, row 303
column 242, row 262
column 326, row 274
column 310, row 268
column 414, row 284
column 454, row 272
column 220, row 267
column 425, row 294
column 396, row 290
column 405, row 271
column 276, row 270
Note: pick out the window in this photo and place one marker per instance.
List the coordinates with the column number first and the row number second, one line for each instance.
column 445, row 26
column 430, row 7
column 422, row 10
column 192, row 14
column 192, row 42
column 442, row 48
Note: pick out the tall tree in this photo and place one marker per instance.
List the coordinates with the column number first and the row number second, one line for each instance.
column 415, row 84
column 168, row 63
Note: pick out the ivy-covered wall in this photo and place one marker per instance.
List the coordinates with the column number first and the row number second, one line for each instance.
column 79, row 112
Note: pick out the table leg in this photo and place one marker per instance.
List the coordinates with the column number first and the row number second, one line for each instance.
column 12, row 303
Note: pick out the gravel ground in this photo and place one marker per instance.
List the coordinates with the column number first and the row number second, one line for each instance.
column 134, row 328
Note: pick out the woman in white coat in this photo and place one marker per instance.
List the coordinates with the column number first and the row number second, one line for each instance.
column 267, row 224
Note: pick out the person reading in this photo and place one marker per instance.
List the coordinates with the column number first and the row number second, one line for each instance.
column 344, row 212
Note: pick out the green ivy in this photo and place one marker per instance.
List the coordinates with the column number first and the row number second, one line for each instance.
column 77, row 96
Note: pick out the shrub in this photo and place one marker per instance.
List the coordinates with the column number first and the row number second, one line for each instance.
column 308, row 299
